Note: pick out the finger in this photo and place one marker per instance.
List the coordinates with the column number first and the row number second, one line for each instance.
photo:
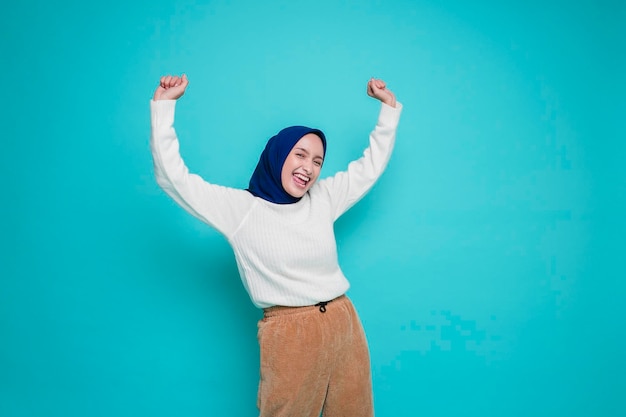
column 184, row 80
column 172, row 81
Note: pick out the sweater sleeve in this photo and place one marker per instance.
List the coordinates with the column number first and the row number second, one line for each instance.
column 220, row 207
column 346, row 188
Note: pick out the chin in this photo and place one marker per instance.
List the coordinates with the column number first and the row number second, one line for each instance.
column 298, row 193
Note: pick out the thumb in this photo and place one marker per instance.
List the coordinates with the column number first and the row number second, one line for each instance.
column 158, row 92
column 371, row 88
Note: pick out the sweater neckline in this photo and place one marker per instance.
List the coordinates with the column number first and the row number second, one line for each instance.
column 294, row 213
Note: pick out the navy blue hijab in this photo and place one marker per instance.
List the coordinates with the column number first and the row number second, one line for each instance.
column 266, row 180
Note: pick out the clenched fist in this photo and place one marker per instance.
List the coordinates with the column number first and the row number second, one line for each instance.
column 171, row 87
column 376, row 88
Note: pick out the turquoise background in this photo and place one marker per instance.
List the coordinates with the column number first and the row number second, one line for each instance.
column 488, row 263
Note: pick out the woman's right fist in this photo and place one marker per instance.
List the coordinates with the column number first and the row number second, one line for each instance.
column 171, row 87
column 378, row 89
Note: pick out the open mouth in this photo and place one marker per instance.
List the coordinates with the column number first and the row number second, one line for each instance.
column 301, row 180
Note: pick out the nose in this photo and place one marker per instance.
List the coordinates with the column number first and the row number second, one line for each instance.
column 307, row 166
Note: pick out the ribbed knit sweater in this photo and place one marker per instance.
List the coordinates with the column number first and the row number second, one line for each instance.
column 286, row 253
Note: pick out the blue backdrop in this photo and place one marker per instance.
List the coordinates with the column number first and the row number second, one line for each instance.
column 487, row 264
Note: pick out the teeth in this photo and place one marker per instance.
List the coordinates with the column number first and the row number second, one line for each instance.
column 302, row 177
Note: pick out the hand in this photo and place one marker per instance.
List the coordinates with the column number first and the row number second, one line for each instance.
column 171, row 87
column 376, row 88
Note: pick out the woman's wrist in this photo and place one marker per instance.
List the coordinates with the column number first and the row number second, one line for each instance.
column 390, row 102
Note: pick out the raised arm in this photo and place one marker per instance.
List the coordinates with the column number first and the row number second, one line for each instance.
column 220, row 207
column 346, row 188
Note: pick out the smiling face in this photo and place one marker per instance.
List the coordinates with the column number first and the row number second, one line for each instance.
column 302, row 166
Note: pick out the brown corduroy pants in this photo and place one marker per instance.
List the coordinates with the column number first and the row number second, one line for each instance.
column 314, row 362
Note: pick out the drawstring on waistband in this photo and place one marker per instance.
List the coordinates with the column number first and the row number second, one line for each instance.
column 283, row 310
column 322, row 306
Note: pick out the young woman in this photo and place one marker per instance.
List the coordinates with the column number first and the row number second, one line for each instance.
column 314, row 355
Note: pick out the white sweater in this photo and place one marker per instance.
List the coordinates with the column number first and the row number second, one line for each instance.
column 286, row 253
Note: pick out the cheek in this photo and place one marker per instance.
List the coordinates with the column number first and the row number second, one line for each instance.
column 284, row 175
column 316, row 172
column 287, row 167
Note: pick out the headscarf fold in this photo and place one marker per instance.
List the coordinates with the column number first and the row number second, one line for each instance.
column 266, row 180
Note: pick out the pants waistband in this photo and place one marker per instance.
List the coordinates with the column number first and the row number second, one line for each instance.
column 286, row 310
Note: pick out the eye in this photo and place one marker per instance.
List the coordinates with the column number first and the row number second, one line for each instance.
column 300, row 155
column 318, row 163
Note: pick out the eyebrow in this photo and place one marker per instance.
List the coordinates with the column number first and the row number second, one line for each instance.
column 307, row 151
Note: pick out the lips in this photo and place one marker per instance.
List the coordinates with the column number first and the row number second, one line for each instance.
column 301, row 180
